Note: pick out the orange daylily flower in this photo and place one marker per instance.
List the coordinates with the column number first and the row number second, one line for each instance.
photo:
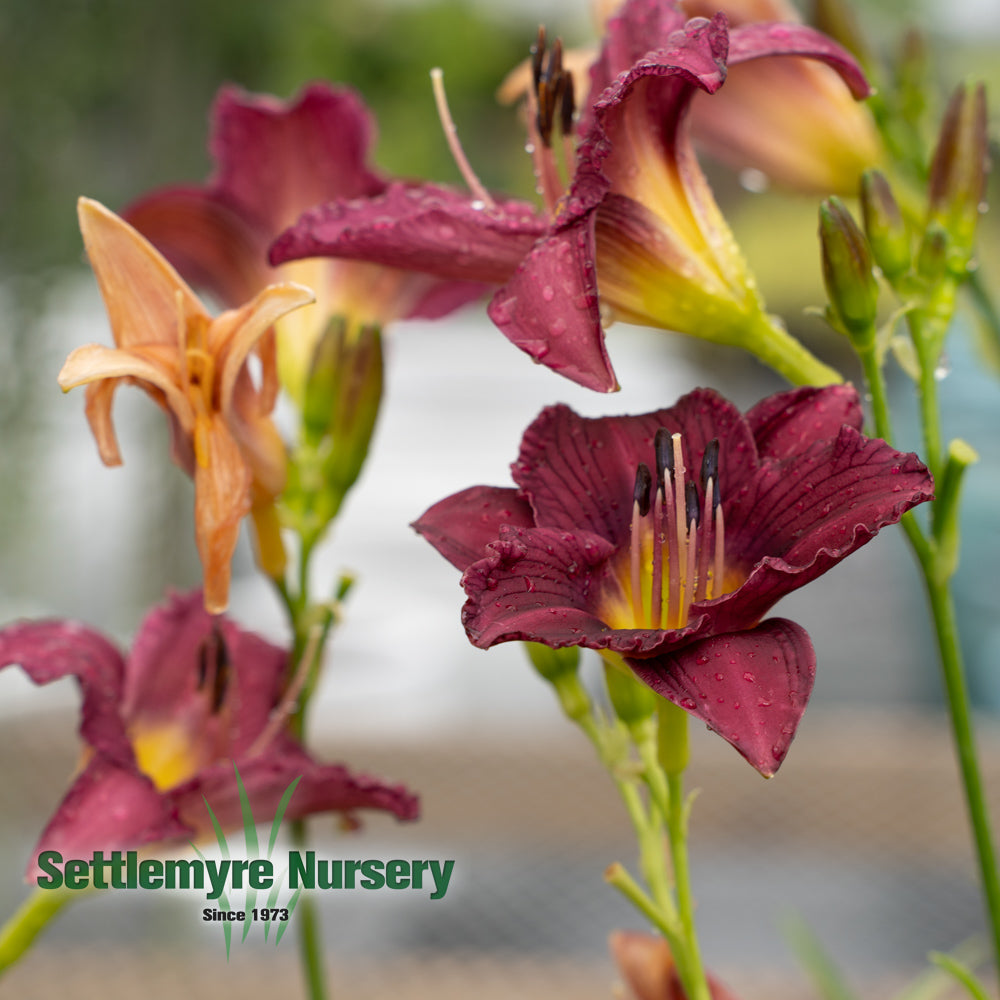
column 194, row 367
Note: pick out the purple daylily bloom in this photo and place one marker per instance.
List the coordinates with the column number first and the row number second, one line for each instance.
column 636, row 235
column 164, row 725
column 746, row 509
column 273, row 160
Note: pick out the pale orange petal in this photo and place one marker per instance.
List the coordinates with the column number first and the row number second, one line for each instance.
column 94, row 362
column 137, row 283
column 233, row 335
column 99, row 398
column 222, row 499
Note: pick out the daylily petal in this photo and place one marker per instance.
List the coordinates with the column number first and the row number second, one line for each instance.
column 758, row 41
column 109, row 807
column 139, row 287
column 833, row 496
column 276, row 158
column 206, row 238
column 785, row 423
column 534, row 585
column 95, row 362
column 461, row 526
column 236, row 332
column 50, row 650
column 750, row 687
column 427, row 228
column 550, row 309
column 639, row 27
column 322, row 788
column 569, row 465
column 222, row 499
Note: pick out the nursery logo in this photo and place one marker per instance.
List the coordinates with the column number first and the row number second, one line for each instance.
column 253, row 875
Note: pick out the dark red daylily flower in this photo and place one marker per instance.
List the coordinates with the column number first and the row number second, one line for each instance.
column 792, row 119
column 649, row 970
column 273, row 161
column 637, row 234
column 746, row 509
column 164, row 725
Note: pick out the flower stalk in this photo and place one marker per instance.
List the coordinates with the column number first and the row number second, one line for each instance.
column 936, row 546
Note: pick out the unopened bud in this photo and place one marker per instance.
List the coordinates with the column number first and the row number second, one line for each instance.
column 958, row 173
column 321, row 380
column 932, row 260
column 553, row 663
column 847, row 273
column 632, row 700
column 357, row 395
column 884, row 226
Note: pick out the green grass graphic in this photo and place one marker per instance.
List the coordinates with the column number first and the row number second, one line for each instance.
column 252, row 848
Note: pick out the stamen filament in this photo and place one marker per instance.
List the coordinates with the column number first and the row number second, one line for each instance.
column 692, row 542
column 543, row 162
column 451, row 134
column 720, row 552
column 706, row 533
column 656, row 590
column 635, row 558
column 680, row 506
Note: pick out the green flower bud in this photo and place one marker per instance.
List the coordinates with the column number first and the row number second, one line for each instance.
column 632, row 701
column 847, row 273
column 958, row 173
column 553, row 663
column 932, row 260
column 353, row 404
column 884, row 226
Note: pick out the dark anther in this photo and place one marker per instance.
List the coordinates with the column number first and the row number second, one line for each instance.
column 553, row 88
column 663, row 445
column 710, row 467
column 643, row 483
column 567, row 107
column 213, row 666
column 691, row 503
column 537, row 58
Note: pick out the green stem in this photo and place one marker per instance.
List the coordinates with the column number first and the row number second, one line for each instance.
column 310, row 944
column 943, row 610
column 778, row 349
column 29, row 920
column 876, row 386
column 696, row 985
column 929, row 556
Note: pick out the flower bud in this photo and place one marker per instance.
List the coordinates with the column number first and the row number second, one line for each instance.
column 847, row 273
column 932, row 260
column 354, row 400
column 884, row 226
column 632, row 701
column 958, row 173
column 552, row 663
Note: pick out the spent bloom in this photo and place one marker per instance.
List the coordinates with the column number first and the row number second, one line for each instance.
column 635, row 234
column 665, row 538
column 273, row 160
column 195, row 367
column 164, row 724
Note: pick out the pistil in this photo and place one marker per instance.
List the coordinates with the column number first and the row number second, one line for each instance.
column 451, row 134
